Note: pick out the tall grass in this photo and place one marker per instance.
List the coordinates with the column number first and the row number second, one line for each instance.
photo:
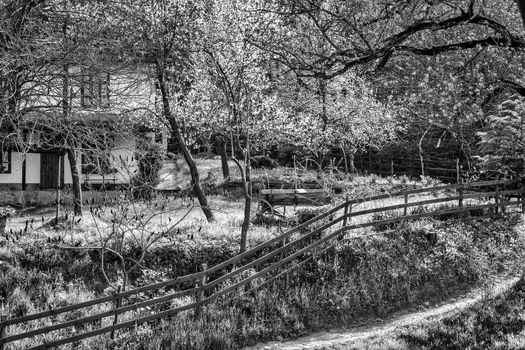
column 363, row 278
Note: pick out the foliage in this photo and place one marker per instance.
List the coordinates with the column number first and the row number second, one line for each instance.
column 150, row 158
column 263, row 162
column 344, row 114
column 6, row 212
column 502, row 143
column 363, row 278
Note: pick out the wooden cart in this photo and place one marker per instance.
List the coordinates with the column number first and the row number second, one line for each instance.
column 272, row 202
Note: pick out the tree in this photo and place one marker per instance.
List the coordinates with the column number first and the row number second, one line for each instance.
column 341, row 112
column 232, row 96
column 160, row 34
column 329, row 38
column 502, row 143
column 393, row 43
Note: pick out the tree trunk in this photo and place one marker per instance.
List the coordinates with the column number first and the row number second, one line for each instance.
column 3, row 223
column 345, row 158
column 351, row 162
column 77, row 190
column 182, row 144
column 247, row 186
column 420, row 151
column 221, row 148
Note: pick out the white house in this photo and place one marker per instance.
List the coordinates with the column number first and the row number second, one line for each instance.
column 123, row 107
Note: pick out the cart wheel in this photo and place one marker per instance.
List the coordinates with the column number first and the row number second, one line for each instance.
column 261, row 209
column 279, row 212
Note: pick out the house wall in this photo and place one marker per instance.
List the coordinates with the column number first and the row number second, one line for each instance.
column 123, row 161
column 13, row 180
column 15, row 175
column 132, row 95
column 11, row 184
column 33, row 169
column 131, row 91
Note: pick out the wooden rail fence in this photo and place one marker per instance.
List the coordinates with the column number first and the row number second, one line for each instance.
column 325, row 228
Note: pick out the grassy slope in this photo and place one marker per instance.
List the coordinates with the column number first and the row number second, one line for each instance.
column 372, row 276
column 492, row 324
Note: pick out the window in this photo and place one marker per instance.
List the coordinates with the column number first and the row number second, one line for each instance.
column 94, row 90
column 5, row 162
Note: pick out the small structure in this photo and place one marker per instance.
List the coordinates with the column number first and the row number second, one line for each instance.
column 273, row 202
column 108, row 113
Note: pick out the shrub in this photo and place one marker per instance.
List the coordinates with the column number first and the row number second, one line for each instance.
column 386, row 215
column 263, row 162
column 150, row 158
column 6, row 212
column 304, row 214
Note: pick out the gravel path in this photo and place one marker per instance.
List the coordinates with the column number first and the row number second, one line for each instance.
column 383, row 334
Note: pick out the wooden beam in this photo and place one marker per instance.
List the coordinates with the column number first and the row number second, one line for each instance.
column 24, row 176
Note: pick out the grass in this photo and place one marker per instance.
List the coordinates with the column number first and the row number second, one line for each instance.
column 370, row 278
column 360, row 278
column 497, row 323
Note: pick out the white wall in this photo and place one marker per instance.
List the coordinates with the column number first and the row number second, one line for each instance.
column 33, row 168
column 68, row 178
column 15, row 176
column 123, row 155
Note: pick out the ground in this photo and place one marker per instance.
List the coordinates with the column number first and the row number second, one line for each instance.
column 383, row 334
column 391, row 275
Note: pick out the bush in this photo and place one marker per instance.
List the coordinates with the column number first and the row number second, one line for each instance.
column 263, row 162
column 386, row 215
column 304, row 214
column 6, row 212
column 150, row 157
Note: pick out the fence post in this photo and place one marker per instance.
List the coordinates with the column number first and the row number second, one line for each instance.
column 348, row 210
column 522, row 197
column 461, row 191
column 405, row 209
column 3, row 329
column 200, row 298
column 118, row 304
column 458, row 175
column 503, row 202
column 496, row 199
column 369, row 160
column 392, row 167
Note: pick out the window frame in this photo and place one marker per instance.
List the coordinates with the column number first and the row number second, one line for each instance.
column 95, row 90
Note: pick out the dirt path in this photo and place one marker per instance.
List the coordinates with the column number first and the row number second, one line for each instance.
column 383, row 334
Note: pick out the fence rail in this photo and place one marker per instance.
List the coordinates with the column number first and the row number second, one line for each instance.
column 332, row 224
